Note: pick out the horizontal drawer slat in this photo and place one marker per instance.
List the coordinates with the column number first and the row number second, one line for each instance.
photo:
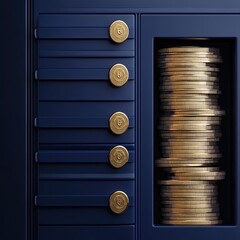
column 85, row 45
column 54, row 136
column 84, row 168
column 82, row 146
column 87, row 62
column 82, row 20
column 86, row 54
column 101, row 122
column 84, row 187
column 84, row 216
column 85, row 91
column 84, row 156
column 86, row 232
column 72, row 201
column 77, row 74
column 84, row 109
column 89, row 176
column 77, row 33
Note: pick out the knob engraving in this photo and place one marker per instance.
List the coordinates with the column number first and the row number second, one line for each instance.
column 118, row 156
column 118, row 202
column 119, row 31
column 119, row 123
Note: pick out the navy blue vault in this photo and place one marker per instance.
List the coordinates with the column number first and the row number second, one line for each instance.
column 78, row 100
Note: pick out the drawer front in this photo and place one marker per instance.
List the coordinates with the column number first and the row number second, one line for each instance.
column 85, row 77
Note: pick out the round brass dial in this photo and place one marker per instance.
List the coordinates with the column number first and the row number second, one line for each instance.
column 118, row 156
column 119, row 31
column 119, row 123
column 118, row 75
column 118, row 202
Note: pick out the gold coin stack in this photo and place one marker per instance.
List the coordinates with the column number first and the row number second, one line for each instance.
column 189, row 131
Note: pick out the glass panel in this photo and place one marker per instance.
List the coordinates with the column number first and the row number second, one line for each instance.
column 194, row 145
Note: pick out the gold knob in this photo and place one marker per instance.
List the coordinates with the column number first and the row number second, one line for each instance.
column 118, row 156
column 118, row 75
column 118, row 202
column 119, row 31
column 119, row 123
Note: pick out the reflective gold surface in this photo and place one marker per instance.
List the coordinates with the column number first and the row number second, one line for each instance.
column 118, row 156
column 189, row 131
column 118, row 202
column 118, row 75
column 119, row 123
column 119, row 31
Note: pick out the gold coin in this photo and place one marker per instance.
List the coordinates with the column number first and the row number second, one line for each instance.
column 119, row 123
column 188, row 191
column 191, row 83
column 118, row 202
column 193, row 169
column 200, row 113
column 193, row 69
column 192, row 205
column 189, row 210
column 192, row 158
column 193, row 127
column 192, row 77
column 119, row 31
column 180, row 182
column 199, row 178
column 201, row 140
column 186, row 143
column 192, row 150
column 174, row 194
column 118, row 156
column 188, row 73
column 207, row 216
column 183, row 148
column 190, row 122
column 204, row 173
column 118, row 75
column 197, row 169
column 197, row 154
column 190, row 199
column 192, row 53
column 191, row 215
column 191, row 96
column 183, row 164
column 204, row 186
column 184, row 49
column 186, row 64
column 191, row 222
column 182, row 218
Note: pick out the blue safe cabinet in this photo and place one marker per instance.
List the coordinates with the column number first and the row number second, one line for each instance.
column 90, row 145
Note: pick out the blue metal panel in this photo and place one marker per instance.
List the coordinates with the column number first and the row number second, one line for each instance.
column 84, row 156
column 135, row 6
column 86, row 168
column 89, row 135
column 85, row 62
column 75, row 102
column 84, row 91
column 14, row 110
column 85, row 21
column 85, row 45
column 84, row 216
column 88, row 109
column 77, row 187
column 75, row 201
column 166, row 26
column 86, row 232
